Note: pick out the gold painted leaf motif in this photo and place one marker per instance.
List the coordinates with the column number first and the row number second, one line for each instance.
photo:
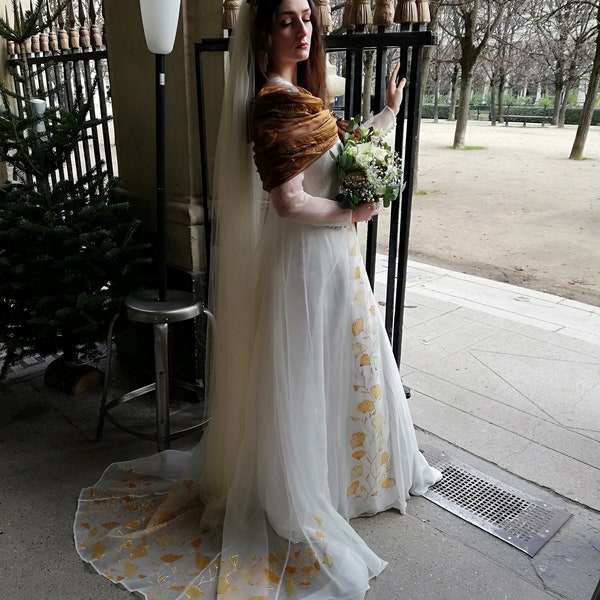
column 358, row 454
column 365, row 360
column 378, row 422
column 356, row 472
column 98, row 551
column 130, row 569
column 171, row 558
column 357, row 327
column 352, row 488
column 191, row 591
column 140, row 550
column 201, row 561
column 388, row 483
column 357, row 439
column 132, row 524
column 366, row 406
column 272, row 577
column 376, row 391
column 358, row 350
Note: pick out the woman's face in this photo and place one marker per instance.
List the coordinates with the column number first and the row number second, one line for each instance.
column 290, row 36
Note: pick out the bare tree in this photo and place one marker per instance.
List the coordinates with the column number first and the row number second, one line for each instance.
column 507, row 58
column 590, row 97
column 472, row 22
column 565, row 31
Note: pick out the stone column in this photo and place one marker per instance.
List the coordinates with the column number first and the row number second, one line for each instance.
column 132, row 90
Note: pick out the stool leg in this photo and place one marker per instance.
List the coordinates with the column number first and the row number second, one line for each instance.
column 109, row 342
column 161, row 366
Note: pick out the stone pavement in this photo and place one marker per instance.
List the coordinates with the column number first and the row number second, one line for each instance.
column 504, row 379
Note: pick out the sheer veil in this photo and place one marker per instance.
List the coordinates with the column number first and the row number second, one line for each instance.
column 236, row 208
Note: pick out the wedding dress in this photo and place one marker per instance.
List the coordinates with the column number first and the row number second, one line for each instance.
column 310, row 425
column 328, row 436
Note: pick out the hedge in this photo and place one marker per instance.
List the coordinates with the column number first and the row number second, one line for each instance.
column 571, row 117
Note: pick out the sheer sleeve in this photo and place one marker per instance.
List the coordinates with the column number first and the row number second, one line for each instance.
column 385, row 120
column 291, row 202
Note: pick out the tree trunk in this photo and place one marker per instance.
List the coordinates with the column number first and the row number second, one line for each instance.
column 501, row 89
column 436, row 94
column 463, row 109
column 452, row 111
column 557, row 101
column 588, row 106
column 493, row 100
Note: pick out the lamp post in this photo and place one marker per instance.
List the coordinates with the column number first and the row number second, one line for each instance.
column 159, row 19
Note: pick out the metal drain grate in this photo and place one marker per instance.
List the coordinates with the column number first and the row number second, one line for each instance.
column 507, row 513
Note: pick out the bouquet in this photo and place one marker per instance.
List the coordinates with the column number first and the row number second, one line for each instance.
column 368, row 168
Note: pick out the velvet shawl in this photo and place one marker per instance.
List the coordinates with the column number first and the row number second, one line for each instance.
column 291, row 130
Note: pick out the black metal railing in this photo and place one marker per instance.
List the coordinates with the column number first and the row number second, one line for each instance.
column 65, row 61
column 58, row 78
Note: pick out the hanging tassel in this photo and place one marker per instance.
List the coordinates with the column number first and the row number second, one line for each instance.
column 423, row 11
column 348, row 15
column 323, row 9
column 384, row 13
column 406, row 12
column 230, row 13
column 362, row 12
column 44, row 45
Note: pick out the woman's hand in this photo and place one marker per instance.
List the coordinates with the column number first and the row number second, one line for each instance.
column 365, row 211
column 395, row 90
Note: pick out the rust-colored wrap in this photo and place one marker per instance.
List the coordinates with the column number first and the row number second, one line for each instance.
column 291, row 130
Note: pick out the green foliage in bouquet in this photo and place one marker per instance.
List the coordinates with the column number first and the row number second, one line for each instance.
column 369, row 170
column 68, row 249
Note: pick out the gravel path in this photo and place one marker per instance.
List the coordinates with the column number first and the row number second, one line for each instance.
column 514, row 208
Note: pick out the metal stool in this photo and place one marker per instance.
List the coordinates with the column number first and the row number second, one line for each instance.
column 144, row 307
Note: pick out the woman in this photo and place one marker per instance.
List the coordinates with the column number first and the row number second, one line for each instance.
column 310, row 426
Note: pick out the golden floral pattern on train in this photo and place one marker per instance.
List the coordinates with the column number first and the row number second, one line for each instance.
column 172, row 561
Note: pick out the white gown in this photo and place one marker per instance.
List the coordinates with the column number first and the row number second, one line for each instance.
column 328, row 436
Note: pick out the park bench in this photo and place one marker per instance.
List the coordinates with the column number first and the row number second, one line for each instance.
column 543, row 119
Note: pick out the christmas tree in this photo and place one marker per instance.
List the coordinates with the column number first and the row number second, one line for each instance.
column 68, row 248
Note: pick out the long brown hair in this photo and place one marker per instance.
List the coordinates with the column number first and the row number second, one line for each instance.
column 311, row 72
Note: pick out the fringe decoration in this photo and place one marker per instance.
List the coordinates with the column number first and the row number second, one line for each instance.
column 384, row 13
column 362, row 12
column 406, row 12
column 347, row 15
column 323, row 9
column 230, row 13
column 423, row 11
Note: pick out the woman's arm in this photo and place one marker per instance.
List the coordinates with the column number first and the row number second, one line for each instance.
column 291, row 202
column 386, row 119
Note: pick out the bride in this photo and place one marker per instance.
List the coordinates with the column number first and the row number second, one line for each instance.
column 310, row 426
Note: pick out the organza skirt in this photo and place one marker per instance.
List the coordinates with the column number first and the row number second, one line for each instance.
column 327, row 436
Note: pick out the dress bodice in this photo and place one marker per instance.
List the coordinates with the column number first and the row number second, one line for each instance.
column 320, row 178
